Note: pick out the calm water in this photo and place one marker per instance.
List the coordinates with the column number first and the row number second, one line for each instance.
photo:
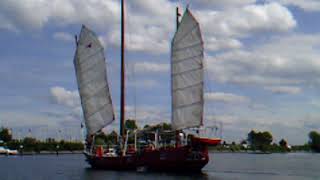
column 222, row 166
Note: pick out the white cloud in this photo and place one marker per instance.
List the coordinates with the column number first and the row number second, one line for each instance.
column 64, row 97
column 144, row 37
column 315, row 103
column 308, row 5
column 216, row 44
column 35, row 14
column 145, row 67
column 7, row 25
column 247, row 20
column 224, row 3
column 147, row 25
column 63, row 36
column 226, row 97
column 291, row 60
column 284, row 89
column 149, row 28
column 152, row 7
column 71, row 101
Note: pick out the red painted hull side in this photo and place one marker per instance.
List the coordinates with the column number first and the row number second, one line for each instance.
column 171, row 159
column 208, row 141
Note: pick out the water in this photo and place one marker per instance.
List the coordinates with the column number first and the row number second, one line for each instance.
column 222, row 166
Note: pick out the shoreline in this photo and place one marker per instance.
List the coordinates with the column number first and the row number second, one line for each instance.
column 258, row 152
column 44, row 153
column 215, row 152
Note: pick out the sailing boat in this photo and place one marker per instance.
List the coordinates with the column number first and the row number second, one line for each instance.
column 187, row 154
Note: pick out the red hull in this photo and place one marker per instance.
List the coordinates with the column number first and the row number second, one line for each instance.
column 207, row 141
column 170, row 159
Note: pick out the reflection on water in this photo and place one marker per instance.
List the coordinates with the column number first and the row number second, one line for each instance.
column 90, row 174
column 222, row 166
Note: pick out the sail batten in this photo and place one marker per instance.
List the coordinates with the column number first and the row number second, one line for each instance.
column 187, row 59
column 187, row 74
column 92, row 82
column 187, row 71
column 193, row 85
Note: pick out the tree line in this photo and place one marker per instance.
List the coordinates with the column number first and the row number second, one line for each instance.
column 256, row 141
column 263, row 141
column 30, row 144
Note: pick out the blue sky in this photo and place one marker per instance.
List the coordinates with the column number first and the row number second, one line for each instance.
column 262, row 63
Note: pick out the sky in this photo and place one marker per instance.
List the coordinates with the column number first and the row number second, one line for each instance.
column 262, row 64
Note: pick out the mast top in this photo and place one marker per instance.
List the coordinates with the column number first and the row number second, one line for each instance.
column 177, row 17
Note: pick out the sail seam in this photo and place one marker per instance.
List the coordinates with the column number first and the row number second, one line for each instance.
column 193, row 85
column 190, row 70
column 104, row 87
column 188, row 105
column 86, row 58
column 187, row 58
column 89, row 116
column 186, row 47
column 90, row 80
column 92, row 66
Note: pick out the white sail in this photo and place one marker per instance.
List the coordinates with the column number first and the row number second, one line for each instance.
column 92, row 81
column 187, row 74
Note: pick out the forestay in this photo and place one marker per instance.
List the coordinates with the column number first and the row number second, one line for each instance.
column 92, row 81
column 187, row 74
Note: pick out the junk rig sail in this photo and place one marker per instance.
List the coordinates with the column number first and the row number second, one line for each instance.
column 89, row 63
column 187, row 74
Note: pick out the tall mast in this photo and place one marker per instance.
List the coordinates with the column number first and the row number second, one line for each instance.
column 122, row 101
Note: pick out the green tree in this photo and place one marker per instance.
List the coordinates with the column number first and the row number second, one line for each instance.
column 146, row 126
column 160, row 127
column 260, row 140
column 30, row 144
column 131, row 124
column 166, row 126
column 5, row 134
column 112, row 138
column 283, row 146
column 106, row 139
column 266, row 138
column 283, row 143
column 252, row 137
column 314, row 141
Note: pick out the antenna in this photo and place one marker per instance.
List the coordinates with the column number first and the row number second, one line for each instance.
column 177, row 18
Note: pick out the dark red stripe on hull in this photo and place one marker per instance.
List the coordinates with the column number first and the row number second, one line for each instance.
column 181, row 159
column 112, row 163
